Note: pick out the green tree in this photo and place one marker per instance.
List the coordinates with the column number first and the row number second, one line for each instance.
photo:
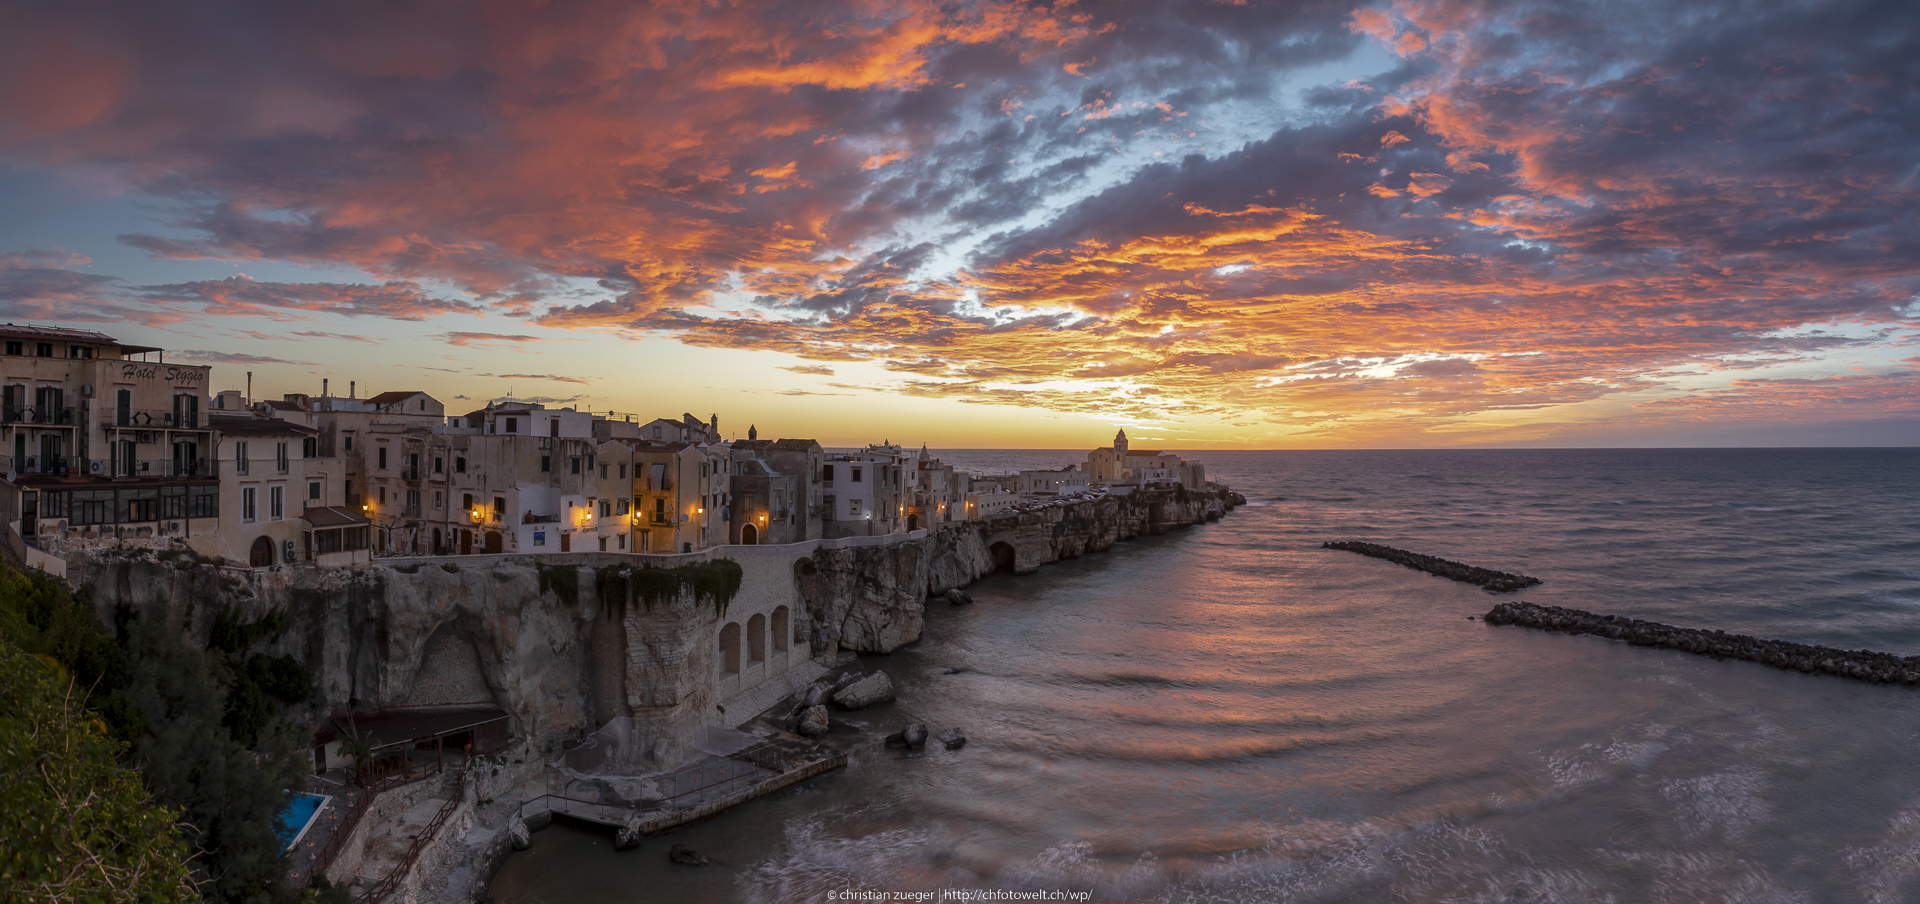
column 77, row 826
column 231, row 791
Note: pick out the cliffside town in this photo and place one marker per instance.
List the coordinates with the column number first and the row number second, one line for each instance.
column 521, row 584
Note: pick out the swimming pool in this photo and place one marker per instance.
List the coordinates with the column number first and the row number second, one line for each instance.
column 299, row 815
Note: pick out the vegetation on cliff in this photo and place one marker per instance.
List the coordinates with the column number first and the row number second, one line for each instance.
column 200, row 729
column 78, row 825
column 714, row 582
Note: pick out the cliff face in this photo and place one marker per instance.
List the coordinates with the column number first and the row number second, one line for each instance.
column 564, row 643
column 873, row 599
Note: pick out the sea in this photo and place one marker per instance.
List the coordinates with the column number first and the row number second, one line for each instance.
column 1230, row 713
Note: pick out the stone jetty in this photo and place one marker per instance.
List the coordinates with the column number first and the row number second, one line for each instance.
column 1861, row 665
column 1496, row 581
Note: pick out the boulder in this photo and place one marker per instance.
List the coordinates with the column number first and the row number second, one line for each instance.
column 816, row 694
column 897, row 739
column 958, row 597
column 841, row 683
column 629, row 834
column 813, row 722
column 686, row 856
column 875, row 688
column 915, row 735
column 953, row 739
column 519, row 834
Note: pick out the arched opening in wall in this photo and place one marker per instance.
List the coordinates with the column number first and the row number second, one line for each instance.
column 749, row 536
column 781, row 632
column 436, row 541
column 450, row 671
column 262, row 553
column 913, row 522
column 493, row 541
column 1002, row 557
column 757, row 638
column 730, row 649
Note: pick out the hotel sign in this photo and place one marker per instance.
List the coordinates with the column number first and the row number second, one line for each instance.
column 167, row 372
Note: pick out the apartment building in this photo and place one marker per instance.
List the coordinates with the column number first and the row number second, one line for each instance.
column 103, row 439
column 285, row 503
column 1068, row 481
column 862, row 493
column 763, row 468
column 679, row 495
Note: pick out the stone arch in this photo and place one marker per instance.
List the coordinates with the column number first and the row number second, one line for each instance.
column 262, row 553
column 749, row 535
column 1003, row 556
column 757, row 638
column 451, row 670
column 913, row 522
column 730, row 649
column 782, row 632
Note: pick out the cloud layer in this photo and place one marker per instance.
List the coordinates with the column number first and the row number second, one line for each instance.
column 1147, row 211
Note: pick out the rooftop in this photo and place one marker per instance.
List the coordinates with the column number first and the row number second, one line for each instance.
column 248, row 425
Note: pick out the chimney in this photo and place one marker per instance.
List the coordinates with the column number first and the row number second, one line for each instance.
column 249, row 387
column 323, row 387
column 350, row 387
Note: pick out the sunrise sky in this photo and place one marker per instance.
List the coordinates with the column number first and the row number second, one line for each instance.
column 1217, row 225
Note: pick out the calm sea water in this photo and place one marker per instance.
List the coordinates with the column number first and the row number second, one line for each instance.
column 1228, row 713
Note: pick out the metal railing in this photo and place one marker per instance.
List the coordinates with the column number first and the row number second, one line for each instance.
column 165, row 467
column 35, row 414
column 398, row 874
column 45, row 464
column 149, row 419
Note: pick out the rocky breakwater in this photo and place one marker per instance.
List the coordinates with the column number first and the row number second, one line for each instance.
column 1496, row 581
column 1860, row 665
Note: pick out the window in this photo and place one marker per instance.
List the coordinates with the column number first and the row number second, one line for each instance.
column 499, row 507
column 546, row 463
column 623, row 472
column 248, row 502
column 575, row 465
column 466, row 502
column 853, row 507
column 313, row 489
column 276, row 502
column 553, row 427
column 43, row 350
column 203, row 502
column 383, row 495
column 310, row 447
column 606, row 508
column 173, row 502
column 349, row 444
column 280, row 456
column 437, row 502
column 623, row 541
column 13, row 348
column 437, row 469
column 81, row 351
column 142, row 505
column 513, row 425
column 828, row 507
column 240, row 458
column 603, row 472
column 459, row 464
column 856, row 474
column 826, row 474
column 620, row 508
column 383, row 458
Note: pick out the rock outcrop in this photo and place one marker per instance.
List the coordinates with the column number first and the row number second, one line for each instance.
column 1860, row 665
column 875, row 688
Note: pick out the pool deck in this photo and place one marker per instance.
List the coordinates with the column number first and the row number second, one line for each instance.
column 341, row 796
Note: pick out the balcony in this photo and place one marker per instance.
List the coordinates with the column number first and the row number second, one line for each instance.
column 531, row 518
column 31, row 414
column 45, row 464
column 410, row 473
column 660, row 518
column 164, row 467
column 149, row 419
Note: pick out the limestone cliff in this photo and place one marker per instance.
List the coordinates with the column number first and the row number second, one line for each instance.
column 565, row 642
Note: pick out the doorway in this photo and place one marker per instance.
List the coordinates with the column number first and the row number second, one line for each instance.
column 749, row 536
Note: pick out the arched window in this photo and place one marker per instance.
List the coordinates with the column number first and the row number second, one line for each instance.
column 780, row 630
column 730, row 649
column 757, row 638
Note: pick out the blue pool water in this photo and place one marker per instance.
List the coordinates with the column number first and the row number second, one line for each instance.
column 301, row 808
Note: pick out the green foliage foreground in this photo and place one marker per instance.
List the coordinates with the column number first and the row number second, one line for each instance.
column 203, row 728
column 77, row 825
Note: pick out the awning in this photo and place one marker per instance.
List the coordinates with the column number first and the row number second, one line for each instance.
column 333, row 516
